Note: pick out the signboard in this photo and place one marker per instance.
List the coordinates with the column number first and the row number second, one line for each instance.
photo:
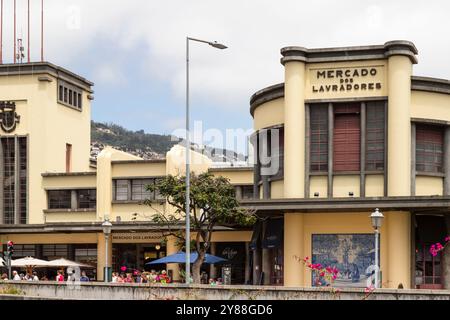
column 137, row 237
column 340, row 82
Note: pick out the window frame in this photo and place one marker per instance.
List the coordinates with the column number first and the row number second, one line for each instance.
column 131, row 195
column 69, row 95
column 318, row 166
column 59, row 201
column 424, row 138
column 375, row 145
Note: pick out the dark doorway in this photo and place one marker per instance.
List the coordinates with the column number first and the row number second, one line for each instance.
column 429, row 229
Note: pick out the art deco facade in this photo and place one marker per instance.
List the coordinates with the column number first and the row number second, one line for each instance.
column 350, row 130
column 355, row 130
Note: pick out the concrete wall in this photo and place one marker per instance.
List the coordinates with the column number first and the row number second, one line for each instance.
column 226, row 293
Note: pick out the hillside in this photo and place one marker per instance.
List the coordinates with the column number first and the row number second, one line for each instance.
column 145, row 145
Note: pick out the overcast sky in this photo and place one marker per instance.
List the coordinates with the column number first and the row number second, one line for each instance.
column 134, row 51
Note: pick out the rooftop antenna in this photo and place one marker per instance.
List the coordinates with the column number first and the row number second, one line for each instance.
column 28, row 37
column 1, row 32
column 20, row 51
column 15, row 37
column 42, row 30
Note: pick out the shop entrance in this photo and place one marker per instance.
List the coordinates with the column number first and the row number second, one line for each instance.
column 135, row 256
column 430, row 229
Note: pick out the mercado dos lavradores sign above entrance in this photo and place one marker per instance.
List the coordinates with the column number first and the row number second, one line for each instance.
column 347, row 81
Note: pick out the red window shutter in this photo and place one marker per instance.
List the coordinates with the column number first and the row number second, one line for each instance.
column 347, row 142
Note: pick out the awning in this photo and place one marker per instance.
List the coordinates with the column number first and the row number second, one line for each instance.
column 257, row 230
column 273, row 237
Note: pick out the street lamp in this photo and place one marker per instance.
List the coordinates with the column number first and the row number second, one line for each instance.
column 377, row 220
column 188, row 148
column 107, row 226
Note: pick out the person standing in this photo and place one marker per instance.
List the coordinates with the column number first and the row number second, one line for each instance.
column 16, row 276
column 35, row 276
column 60, row 277
column 84, row 277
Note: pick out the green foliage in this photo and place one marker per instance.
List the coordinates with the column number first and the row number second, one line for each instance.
column 117, row 136
column 212, row 202
column 11, row 290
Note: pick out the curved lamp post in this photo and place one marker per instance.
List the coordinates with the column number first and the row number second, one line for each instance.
column 377, row 220
column 188, row 148
column 107, row 226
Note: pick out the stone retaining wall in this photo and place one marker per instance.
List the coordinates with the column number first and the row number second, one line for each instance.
column 100, row 291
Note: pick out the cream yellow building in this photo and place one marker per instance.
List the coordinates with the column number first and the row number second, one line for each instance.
column 54, row 199
column 351, row 130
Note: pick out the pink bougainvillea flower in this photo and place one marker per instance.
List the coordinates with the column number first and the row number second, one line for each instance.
column 123, row 269
column 447, row 239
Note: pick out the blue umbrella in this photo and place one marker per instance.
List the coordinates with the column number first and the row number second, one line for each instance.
column 180, row 257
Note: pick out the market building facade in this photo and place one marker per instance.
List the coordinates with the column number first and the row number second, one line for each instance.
column 350, row 130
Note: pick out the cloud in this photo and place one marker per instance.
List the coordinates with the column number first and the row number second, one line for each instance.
column 109, row 74
column 254, row 31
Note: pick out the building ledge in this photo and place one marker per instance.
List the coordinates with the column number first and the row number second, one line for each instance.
column 414, row 203
column 68, row 174
column 46, row 68
column 139, row 161
column 89, row 227
column 428, row 84
column 139, row 202
column 355, row 53
column 47, row 211
column 230, row 169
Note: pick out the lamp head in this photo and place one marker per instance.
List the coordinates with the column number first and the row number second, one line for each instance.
column 217, row 45
column 377, row 219
column 107, row 226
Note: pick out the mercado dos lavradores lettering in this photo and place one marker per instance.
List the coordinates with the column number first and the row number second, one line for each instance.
column 354, row 129
column 347, row 80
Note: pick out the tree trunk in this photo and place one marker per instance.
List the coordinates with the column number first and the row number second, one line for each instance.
column 196, row 267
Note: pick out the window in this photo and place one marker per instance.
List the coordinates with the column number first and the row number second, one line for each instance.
column 68, row 157
column 347, row 138
column 23, row 250
column 429, row 148
column 247, row 192
column 14, row 166
column 134, row 190
column 55, row 251
column 60, row 199
column 121, row 190
column 87, row 199
column 319, row 138
column 69, row 95
column 375, row 136
column 139, row 189
column 271, row 160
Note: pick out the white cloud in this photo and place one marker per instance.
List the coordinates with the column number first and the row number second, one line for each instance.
column 109, row 74
column 254, row 31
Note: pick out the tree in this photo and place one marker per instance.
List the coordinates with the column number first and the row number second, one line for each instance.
column 212, row 203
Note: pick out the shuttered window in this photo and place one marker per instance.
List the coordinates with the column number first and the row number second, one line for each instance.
column 347, row 138
column 375, row 136
column 429, row 148
column 319, row 138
